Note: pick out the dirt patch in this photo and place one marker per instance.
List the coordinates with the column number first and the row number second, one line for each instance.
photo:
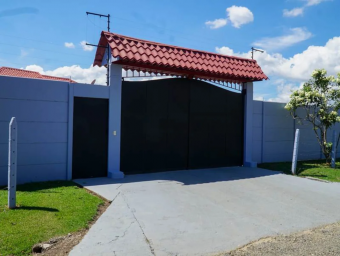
column 319, row 241
column 60, row 246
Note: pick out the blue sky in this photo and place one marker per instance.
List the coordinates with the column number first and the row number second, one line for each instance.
column 298, row 35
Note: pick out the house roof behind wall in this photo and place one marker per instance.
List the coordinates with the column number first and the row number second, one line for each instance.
column 146, row 56
column 15, row 72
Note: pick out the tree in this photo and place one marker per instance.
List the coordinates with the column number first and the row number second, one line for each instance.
column 319, row 98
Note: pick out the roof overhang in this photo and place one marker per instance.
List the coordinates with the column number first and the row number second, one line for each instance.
column 145, row 56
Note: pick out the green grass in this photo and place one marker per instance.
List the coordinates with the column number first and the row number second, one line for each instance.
column 315, row 168
column 45, row 210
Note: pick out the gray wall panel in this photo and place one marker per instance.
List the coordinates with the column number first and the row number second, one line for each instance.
column 36, row 132
column 278, row 134
column 33, row 89
column 40, row 153
column 277, row 157
column 275, row 109
column 279, row 122
column 257, row 107
column 257, row 134
column 257, row 120
column 35, row 173
column 279, row 147
column 91, row 91
column 41, row 109
column 33, row 111
column 257, row 152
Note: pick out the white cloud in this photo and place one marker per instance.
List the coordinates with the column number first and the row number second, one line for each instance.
column 218, row 23
column 23, row 53
column 314, row 2
column 69, row 45
column 284, row 90
column 35, row 68
column 293, row 13
column 295, row 35
column 299, row 67
column 85, row 47
column 300, row 10
column 239, row 15
column 226, row 51
column 75, row 72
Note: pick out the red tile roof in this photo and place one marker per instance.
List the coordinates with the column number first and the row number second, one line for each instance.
column 6, row 71
column 142, row 55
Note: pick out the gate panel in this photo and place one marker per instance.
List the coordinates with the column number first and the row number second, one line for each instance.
column 133, row 142
column 235, row 129
column 90, row 138
column 217, row 126
column 178, row 124
column 156, row 126
column 199, row 156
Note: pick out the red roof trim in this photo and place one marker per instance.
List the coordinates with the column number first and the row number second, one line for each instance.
column 135, row 53
column 15, row 72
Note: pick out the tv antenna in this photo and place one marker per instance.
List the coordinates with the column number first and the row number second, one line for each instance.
column 107, row 47
column 255, row 50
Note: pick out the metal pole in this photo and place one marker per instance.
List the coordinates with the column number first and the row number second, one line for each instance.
column 108, row 54
column 12, row 163
column 296, row 150
column 333, row 149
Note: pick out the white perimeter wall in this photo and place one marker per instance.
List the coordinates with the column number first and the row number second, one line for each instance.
column 42, row 111
column 44, row 141
column 274, row 132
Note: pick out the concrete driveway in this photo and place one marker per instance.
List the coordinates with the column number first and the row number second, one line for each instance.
column 204, row 212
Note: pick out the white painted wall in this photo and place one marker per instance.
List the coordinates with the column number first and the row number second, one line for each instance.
column 274, row 131
column 43, row 112
column 41, row 109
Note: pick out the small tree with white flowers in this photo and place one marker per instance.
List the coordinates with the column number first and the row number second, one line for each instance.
column 320, row 100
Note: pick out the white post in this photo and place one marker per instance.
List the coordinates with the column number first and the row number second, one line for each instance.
column 333, row 149
column 115, row 105
column 248, row 126
column 12, row 163
column 296, row 151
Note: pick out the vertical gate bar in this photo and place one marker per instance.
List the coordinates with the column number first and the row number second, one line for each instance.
column 12, row 163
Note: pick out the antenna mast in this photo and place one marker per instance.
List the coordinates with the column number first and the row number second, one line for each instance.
column 255, row 50
column 107, row 47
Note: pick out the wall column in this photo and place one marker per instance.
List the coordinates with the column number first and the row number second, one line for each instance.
column 70, row 131
column 248, row 125
column 115, row 102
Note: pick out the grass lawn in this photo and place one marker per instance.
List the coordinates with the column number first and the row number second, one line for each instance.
column 45, row 210
column 314, row 168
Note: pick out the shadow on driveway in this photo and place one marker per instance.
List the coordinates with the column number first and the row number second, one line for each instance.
column 186, row 177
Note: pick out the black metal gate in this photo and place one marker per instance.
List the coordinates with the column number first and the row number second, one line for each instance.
column 177, row 124
column 90, row 138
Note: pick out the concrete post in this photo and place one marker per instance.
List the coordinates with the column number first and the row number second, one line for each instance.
column 295, row 151
column 115, row 102
column 333, row 149
column 12, row 163
column 248, row 125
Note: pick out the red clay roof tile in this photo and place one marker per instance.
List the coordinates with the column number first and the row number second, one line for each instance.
column 137, row 54
column 6, row 71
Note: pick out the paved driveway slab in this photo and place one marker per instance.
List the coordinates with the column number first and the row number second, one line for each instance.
column 203, row 212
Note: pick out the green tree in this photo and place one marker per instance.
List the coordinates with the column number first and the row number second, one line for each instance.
column 319, row 98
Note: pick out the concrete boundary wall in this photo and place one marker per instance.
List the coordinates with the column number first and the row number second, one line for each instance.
column 274, row 132
column 44, row 111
